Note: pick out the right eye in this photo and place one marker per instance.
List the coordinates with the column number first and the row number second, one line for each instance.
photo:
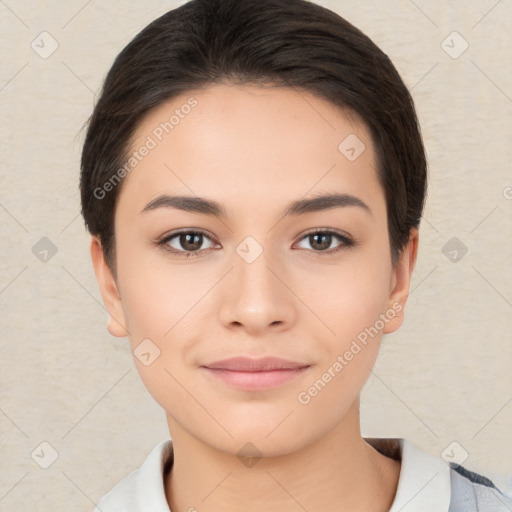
column 185, row 242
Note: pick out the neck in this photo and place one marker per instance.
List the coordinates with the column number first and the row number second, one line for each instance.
column 340, row 471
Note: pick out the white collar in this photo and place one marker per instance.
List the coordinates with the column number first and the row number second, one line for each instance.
column 423, row 485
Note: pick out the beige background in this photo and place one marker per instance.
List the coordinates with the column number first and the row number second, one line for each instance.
column 446, row 376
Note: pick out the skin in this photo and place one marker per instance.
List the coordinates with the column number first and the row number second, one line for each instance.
column 255, row 150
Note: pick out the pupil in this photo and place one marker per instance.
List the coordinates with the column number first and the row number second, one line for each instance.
column 189, row 244
column 326, row 237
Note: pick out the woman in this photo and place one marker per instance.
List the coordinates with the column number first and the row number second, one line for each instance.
column 253, row 178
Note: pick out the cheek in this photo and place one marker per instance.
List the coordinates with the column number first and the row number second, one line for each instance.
column 353, row 299
column 351, row 305
column 347, row 297
column 162, row 303
column 155, row 294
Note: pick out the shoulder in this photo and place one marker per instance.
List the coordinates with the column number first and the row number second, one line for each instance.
column 142, row 489
column 122, row 497
column 471, row 491
column 427, row 482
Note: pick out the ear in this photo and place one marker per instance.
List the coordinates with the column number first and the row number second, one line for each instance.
column 400, row 282
column 109, row 292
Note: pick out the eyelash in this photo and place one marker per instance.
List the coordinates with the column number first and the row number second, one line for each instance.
column 346, row 242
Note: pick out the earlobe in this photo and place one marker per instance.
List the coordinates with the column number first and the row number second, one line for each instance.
column 401, row 281
column 109, row 291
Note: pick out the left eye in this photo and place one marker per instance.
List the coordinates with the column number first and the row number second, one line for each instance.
column 322, row 240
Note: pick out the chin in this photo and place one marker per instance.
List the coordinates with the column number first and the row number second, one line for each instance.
column 254, row 445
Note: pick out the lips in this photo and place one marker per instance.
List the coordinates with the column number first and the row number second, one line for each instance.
column 255, row 374
column 246, row 364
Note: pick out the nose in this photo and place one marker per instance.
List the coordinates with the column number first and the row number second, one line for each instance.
column 256, row 297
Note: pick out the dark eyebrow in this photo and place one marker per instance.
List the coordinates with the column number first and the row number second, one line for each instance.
column 213, row 208
column 324, row 202
column 187, row 204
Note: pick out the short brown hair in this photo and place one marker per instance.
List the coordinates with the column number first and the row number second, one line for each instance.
column 292, row 43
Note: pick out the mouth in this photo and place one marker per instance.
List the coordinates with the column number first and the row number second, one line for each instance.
column 255, row 374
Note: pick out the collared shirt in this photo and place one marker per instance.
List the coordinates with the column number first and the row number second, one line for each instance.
column 426, row 483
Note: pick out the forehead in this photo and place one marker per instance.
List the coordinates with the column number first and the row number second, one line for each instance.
column 238, row 143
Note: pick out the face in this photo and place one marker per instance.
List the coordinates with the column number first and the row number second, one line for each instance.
column 260, row 271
